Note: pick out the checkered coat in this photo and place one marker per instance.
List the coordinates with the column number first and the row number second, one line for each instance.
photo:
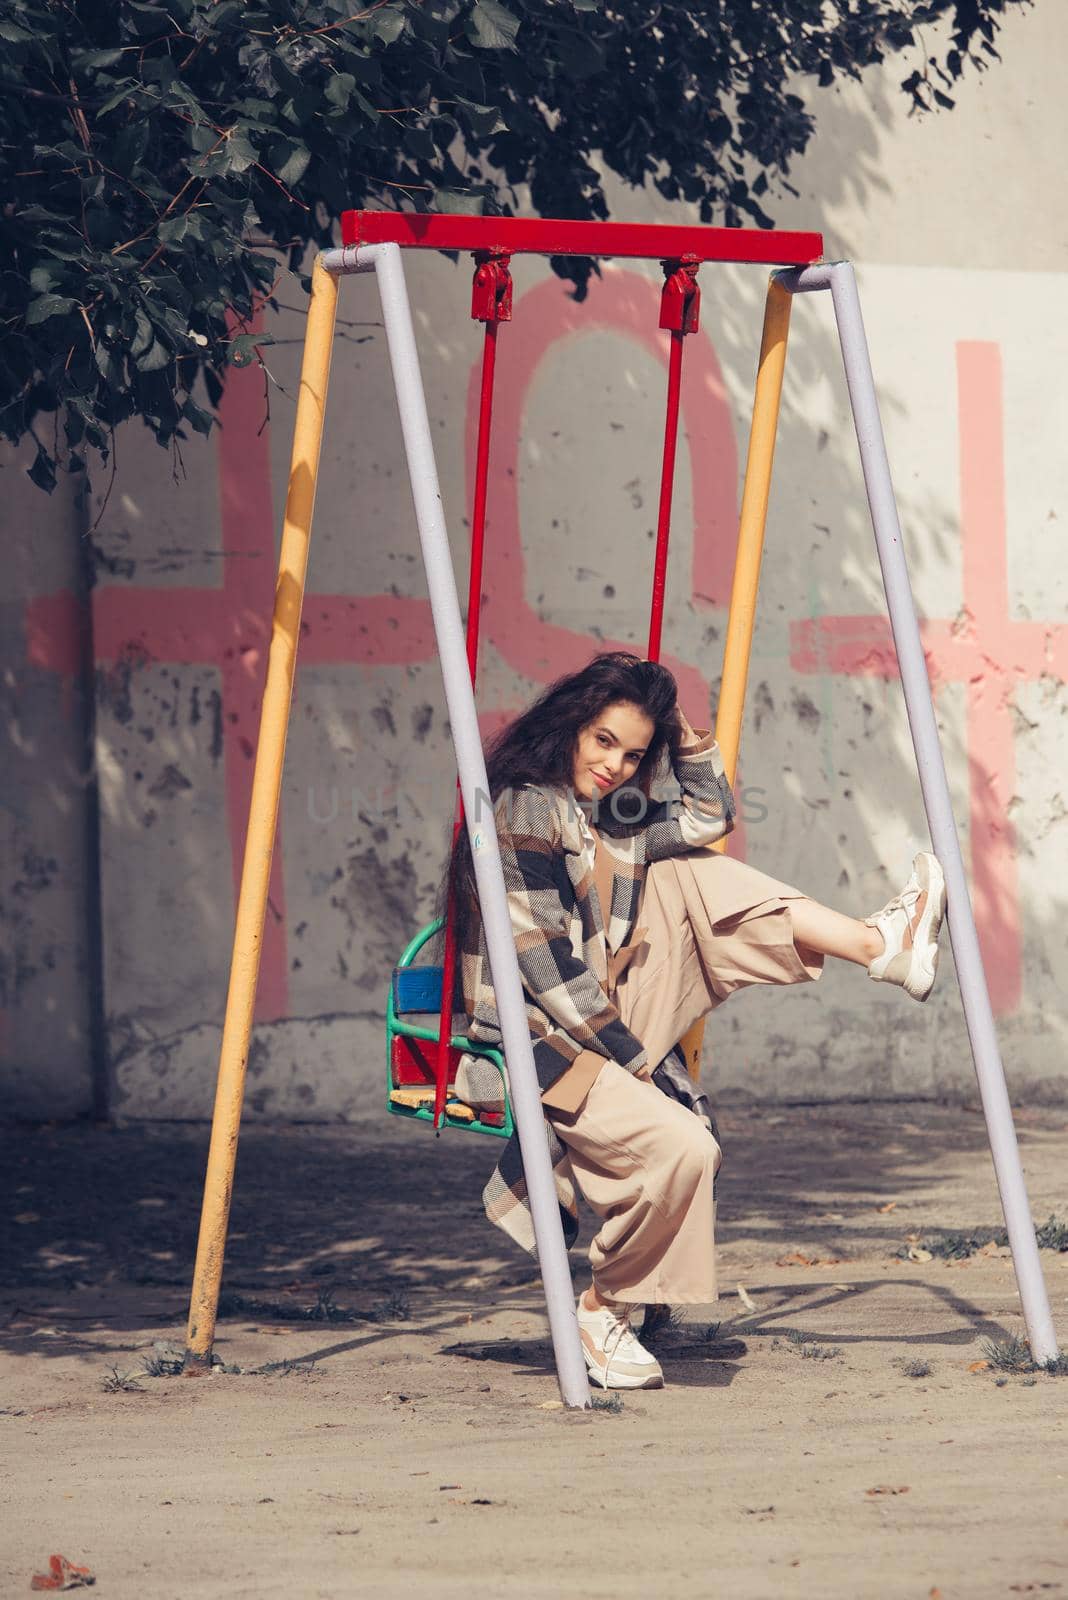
column 565, row 939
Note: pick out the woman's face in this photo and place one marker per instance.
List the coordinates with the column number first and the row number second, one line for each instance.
column 609, row 750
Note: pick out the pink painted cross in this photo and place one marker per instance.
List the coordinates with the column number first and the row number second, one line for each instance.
column 984, row 649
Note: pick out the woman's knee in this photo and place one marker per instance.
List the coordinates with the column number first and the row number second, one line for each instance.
column 694, row 1153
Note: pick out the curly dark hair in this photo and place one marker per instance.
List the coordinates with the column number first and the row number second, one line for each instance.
column 540, row 745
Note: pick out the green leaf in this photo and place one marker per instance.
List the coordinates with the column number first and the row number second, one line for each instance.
column 162, row 72
column 15, row 35
column 365, row 105
column 460, row 202
column 123, row 92
column 104, row 362
column 492, row 26
column 175, row 229
column 225, row 11
column 242, row 351
column 483, row 120
column 147, row 19
column 388, row 24
column 586, row 5
column 202, row 137
column 48, row 305
column 339, row 89
column 42, row 279
column 155, row 358
column 200, row 419
column 143, row 336
column 43, row 471
column 40, row 214
column 50, row 247
column 261, row 112
column 239, row 154
column 289, row 162
column 97, row 59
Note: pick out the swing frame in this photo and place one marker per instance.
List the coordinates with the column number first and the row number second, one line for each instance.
column 374, row 243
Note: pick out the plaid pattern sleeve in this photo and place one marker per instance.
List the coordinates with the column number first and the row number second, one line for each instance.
column 558, row 981
column 705, row 812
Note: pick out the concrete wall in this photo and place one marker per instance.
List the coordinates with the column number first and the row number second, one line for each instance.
column 960, row 246
column 50, row 1040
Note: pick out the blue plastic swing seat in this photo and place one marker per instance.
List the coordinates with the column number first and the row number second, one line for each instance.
column 411, row 1050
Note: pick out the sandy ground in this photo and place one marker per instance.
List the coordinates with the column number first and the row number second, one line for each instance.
column 408, row 1438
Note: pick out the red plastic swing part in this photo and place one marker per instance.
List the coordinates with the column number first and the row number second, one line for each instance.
column 491, row 303
column 680, row 308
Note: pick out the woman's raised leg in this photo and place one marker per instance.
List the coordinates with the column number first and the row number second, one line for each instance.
column 899, row 944
column 831, row 933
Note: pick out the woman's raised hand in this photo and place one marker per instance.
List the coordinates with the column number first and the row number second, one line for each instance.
column 687, row 734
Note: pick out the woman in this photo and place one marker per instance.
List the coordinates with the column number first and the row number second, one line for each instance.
column 627, row 931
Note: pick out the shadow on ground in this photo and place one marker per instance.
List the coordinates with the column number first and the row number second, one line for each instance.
column 346, row 1227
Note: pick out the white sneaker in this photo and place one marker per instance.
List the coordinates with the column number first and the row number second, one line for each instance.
column 912, row 966
column 613, row 1355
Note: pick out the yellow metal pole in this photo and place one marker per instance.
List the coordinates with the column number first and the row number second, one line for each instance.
column 754, row 515
column 263, row 818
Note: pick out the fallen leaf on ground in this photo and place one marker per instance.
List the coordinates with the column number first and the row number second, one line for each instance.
column 843, row 1288
column 62, row 1574
column 891, row 1205
column 934, row 1594
column 797, row 1258
column 551, row 1405
column 746, row 1298
column 979, row 1366
column 888, row 1488
column 916, row 1254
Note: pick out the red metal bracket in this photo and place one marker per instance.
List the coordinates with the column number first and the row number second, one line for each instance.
column 491, row 291
column 680, row 298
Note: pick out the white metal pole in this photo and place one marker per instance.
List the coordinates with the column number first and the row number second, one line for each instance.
column 386, row 261
column 840, row 278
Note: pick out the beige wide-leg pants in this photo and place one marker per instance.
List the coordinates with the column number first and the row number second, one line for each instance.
column 644, row 1163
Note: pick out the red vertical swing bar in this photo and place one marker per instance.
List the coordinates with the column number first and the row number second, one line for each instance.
column 491, row 303
column 680, row 305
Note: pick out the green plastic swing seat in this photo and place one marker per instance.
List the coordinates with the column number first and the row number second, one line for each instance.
column 411, row 1049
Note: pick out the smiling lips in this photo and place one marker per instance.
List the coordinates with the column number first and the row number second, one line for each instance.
column 600, row 778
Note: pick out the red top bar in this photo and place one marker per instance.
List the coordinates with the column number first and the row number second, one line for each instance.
column 548, row 236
